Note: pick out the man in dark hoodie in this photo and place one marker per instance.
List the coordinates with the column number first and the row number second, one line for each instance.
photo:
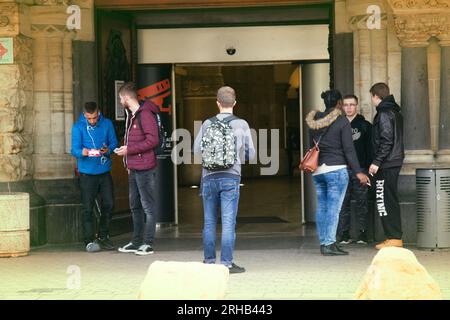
column 141, row 138
column 388, row 155
column 361, row 135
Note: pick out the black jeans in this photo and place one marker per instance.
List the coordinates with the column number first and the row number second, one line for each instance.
column 142, row 204
column 91, row 186
column 386, row 201
column 359, row 193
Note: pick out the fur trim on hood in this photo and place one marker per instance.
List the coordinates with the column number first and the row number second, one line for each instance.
column 323, row 122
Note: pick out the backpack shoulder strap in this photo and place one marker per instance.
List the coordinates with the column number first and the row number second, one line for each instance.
column 230, row 118
column 213, row 119
column 138, row 116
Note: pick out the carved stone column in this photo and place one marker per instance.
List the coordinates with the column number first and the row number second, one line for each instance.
column 16, row 91
column 418, row 26
column 52, row 60
column 443, row 121
column 370, row 52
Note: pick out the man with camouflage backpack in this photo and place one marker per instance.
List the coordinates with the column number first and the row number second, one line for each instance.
column 224, row 142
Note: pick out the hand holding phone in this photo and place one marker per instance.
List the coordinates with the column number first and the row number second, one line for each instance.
column 94, row 153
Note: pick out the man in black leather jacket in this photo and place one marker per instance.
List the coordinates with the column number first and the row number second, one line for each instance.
column 388, row 155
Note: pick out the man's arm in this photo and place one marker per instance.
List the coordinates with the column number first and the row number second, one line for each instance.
column 248, row 144
column 349, row 148
column 150, row 129
column 368, row 145
column 112, row 139
column 386, row 126
column 77, row 145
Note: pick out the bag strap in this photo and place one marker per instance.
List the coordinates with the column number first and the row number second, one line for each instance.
column 227, row 119
column 320, row 138
column 138, row 116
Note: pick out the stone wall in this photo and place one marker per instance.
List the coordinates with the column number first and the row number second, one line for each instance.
column 36, row 111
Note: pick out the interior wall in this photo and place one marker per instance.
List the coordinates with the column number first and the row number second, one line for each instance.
column 262, row 98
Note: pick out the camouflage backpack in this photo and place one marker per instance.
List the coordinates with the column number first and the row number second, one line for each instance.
column 218, row 144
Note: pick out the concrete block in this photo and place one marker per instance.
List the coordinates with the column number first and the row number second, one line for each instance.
column 184, row 281
column 14, row 224
column 395, row 274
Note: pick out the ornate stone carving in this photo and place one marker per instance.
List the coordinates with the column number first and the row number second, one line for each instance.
column 49, row 30
column 419, row 4
column 415, row 30
column 15, row 99
column 51, row 2
column 12, row 143
column 360, row 22
column 9, row 19
column 13, row 168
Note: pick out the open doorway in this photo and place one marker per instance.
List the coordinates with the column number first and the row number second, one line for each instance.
column 268, row 99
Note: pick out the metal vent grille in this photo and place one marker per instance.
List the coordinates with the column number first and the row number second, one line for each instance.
column 444, row 203
column 424, row 192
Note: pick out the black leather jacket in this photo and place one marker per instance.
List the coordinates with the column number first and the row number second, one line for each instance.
column 387, row 135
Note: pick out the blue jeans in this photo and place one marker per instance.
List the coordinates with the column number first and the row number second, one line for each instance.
column 330, row 188
column 220, row 193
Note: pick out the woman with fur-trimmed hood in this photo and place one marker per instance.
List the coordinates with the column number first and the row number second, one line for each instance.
column 333, row 131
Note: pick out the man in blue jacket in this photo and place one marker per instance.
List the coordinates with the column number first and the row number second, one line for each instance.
column 93, row 142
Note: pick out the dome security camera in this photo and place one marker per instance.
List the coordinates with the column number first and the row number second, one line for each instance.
column 231, row 51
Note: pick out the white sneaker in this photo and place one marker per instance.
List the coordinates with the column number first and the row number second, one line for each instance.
column 130, row 247
column 93, row 247
column 144, row 250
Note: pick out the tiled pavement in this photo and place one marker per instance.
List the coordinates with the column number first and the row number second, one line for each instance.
column 279, row 266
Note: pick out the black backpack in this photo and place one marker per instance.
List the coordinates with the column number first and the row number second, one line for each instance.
column 163, row 146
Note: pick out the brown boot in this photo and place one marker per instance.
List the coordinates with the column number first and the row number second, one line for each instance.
column 390, row 243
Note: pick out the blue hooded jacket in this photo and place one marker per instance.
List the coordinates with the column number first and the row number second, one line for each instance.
column 93, row 137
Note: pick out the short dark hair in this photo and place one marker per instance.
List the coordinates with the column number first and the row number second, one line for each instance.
column 226, row 96
column 351, row 96
column 129, row 89
column 331, row 98
column 90, row 107
column 380, row 89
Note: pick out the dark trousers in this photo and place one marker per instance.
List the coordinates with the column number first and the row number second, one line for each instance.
column 92, row 186
column 386, row 201
column 142, row 204
column 359, row 193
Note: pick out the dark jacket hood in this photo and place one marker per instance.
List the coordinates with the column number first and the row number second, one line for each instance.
column 388, row 103
column 317, row 120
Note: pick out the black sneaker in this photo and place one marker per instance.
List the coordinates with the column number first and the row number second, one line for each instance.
column 362, row 238
column 336, row 246
column 235, row 269
column 332, row 250
column 130, row 247
column 345, row 238
column 144, row 250
column 106, row 243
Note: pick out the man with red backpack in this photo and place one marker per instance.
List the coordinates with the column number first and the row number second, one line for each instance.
column 140, row 141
